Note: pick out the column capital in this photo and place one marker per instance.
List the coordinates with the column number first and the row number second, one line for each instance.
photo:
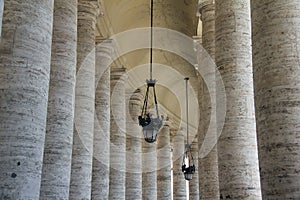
column 205, row 5
column 166, row 122
column 136, row 96
column 90, row 7
column 118, row 73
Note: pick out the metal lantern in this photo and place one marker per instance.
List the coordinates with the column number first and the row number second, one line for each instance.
column 151, row 124
column 188, row 166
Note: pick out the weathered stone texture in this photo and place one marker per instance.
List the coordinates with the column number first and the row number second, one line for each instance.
column 164, row 163
column 209, row 178
column 25, row 55
column 179, row 183
column 82, row 155
column 59, row 131
column 149, row 162
column 134, row 138
column 194, row 183
column 276, row 40
column 100, row 172
column 1, row 14
column 237, row 148
column 117, row 172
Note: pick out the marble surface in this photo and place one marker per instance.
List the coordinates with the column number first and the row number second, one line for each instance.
column 59, row 131
column 275, row 29
column 209, row 178
column 82, row 155
column 237, row 146
column 25, row 54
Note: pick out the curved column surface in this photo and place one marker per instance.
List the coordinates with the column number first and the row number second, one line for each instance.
column 100, row 172
column 82, row 155
column 134, row 138
column 60, row 118
column 179, row 183
column 117, row 171
column 1, row 14
column 149, row 162
column 276, row 40
column 209, row 164
column 164, row 163
column 194, row 183
column 237, row 146
column 25, row 55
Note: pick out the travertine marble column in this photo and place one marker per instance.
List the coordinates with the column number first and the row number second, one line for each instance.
column 194, row 183
column 237, row 148
column 134, row 139
column 209, row 179
column 276, row 43
column 117, row 135
column 164, row 163
column 25, row 55
column 100, row 173
column 59, row 131
column 179, row 183
column 82, row 155
column 149, row 162
column 1, row 14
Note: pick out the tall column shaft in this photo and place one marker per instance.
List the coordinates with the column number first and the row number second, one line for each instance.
column 134, row 138
column 149, row 162
column 276, row 40
column 60, row 119
column 100, row 172
column 1, row 14
column 164, row 163
column 25, row 54
column 82, row 155
column 209, row 177
column 179, row 183
column 237, row 148
column 117, row 135
column 194, row 183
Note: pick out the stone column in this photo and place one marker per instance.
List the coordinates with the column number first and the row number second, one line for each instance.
column 25, row 55
column 117, row 135
column 164, row 163
column 60, row 119
column 209, row 179
column 194, row 183
column 149, row 162
column 134, row 138
column 82, row 155
column 1, row 15
column 179, row 183
column 237, row 148
column 100, row 172
column 276, row 43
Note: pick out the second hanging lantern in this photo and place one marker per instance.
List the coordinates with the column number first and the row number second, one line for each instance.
column 151, row 124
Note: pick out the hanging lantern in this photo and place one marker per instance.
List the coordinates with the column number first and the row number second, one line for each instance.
column 151, row 124
column 188, row 166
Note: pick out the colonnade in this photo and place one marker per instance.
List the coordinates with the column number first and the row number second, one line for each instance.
column 65, row 134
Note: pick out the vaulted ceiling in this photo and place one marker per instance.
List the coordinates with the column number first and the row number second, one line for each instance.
column 121, row 16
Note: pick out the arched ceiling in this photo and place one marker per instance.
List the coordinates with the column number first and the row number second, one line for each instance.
column 179, row 15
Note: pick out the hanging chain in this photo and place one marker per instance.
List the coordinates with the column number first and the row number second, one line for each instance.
column 187, row 112
column 151, row 39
